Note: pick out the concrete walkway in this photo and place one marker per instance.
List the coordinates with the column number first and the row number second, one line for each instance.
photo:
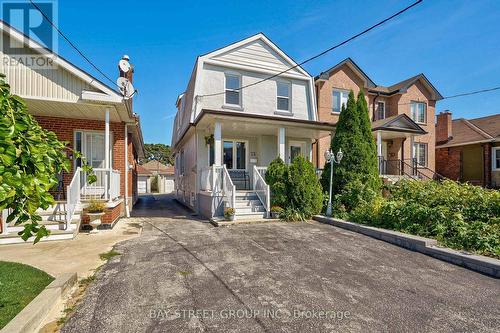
column 184, row 275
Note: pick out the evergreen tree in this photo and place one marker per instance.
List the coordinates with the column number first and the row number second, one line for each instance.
column 353, row 135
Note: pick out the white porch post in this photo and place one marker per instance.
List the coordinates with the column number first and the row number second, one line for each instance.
column 5, row 214
column 106, row 156
column 379, row 152
column 281, row 143
column 218, row 143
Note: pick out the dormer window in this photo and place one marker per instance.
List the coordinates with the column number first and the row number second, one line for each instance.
column 233, row 93
column 283, row 96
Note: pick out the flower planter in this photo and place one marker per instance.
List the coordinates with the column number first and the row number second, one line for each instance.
column 95, row 221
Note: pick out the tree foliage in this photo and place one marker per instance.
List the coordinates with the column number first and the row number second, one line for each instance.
column 276, row 176
column 353, row 135
column 159, row 152
column 30, row 159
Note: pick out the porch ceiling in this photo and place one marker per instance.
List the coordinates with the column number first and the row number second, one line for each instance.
column 77, row 110
column 235, row 124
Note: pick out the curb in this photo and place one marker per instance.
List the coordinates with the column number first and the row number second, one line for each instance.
column 427, row 246
column 29, row 319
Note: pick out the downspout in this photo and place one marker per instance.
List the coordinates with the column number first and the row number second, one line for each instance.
column 127, row 209
column 375, row 103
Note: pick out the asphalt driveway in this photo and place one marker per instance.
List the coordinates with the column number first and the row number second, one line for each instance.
column 183, row 275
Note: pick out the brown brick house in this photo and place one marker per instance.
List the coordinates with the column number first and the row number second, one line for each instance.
column 93, row 118
column 469, row 149
column 402, row 114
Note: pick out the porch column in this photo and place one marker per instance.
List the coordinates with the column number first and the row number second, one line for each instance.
column 218, row 143
column 106, row 156
column 281, row 143
column 379, row 153
column 412, row 155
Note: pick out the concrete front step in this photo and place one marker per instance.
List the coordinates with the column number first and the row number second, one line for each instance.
column 14, row 238
column 250, row 209
column 52, row 225
column 250, row 215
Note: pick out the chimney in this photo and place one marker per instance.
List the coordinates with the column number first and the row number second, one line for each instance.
column 443, row 127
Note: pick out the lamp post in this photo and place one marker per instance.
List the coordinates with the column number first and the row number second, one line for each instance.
column 331, row 158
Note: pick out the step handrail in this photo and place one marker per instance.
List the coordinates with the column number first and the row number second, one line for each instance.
column 228, row 187
column 73, row 197
column 261, row 188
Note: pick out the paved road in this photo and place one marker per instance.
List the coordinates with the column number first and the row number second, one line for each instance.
column 277, row 277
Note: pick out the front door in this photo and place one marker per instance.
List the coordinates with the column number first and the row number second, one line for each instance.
column 296, row 148
column 234, row 154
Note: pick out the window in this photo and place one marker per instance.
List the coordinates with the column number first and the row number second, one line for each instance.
column 283, row 96
column 234, row 154
column 91, row 144
column 339, row 100
column 420, row 153
column 233, row 94
column 380, row 110
column 496, row 158
column 418, row 112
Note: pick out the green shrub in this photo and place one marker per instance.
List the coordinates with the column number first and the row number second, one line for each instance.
column 276, row 175
column 303, row 189
column 461, row 216
column 154, row 184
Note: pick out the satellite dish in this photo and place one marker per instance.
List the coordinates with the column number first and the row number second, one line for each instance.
column 126, row 87
column 124, row 65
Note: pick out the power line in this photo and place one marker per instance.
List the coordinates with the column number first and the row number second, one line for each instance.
column 324, row 52
column 472, row 93
column 72, row 45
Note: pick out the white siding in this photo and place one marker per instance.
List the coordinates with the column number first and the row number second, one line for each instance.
column 256, row 54
column 58, row 84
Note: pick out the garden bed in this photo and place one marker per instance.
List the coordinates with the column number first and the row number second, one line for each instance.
column 19, row 285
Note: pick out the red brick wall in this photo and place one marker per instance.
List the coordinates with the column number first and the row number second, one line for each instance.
column 448, row 162
column 65, row 128
column 110, row 214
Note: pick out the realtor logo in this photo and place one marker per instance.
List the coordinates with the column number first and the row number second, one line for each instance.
column 28, row 23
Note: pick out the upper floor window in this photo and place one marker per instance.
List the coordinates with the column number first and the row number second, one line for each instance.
column 283, row 96
column 233, row 92
column 380, row 110
column 339, row 99
column 418, row 112
column 420, row 153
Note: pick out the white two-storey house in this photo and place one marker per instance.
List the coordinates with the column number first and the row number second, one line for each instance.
column 235, row 117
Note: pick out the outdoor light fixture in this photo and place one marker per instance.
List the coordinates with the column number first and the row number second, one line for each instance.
column 331, row 158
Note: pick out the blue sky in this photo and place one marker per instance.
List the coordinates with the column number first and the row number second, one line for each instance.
column 455, row 43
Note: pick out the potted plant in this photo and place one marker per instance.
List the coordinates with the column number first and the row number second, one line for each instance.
column 229, row 214
column 276, row 211
column 95, row 211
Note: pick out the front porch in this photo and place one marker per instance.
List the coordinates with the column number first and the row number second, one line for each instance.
column 233, row 154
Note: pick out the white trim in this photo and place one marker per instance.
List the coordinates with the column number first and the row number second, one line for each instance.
column 416, row 150
column 281, row 143
column 416, row 114
column 341, row 91
column 99, row 97
column 493, row 158
column 83, row 147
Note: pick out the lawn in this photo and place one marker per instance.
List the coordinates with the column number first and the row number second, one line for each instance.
column 19, row 285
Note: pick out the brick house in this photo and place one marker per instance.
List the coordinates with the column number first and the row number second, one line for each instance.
column 402, row 117
column 93, row 119
column 469, row 149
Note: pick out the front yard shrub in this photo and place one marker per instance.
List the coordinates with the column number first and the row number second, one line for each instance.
column 461, row 216
column 295, row 189
column 276, row 175
column 304, row 192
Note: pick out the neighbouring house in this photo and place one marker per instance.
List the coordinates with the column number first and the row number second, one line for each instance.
column 224, row 137
column 93, row 119
column 402, row 117
column 155, row 171
column 468, row 150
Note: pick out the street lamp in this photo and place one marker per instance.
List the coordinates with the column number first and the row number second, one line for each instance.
column 330, row 158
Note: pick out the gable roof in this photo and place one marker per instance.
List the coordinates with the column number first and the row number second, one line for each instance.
column 353, row 66
column 142, row 171
column 95, row 83
column 470, row 131
column 402, row 87
column 254, row 38
column 397, row 88
column 398, row 123
column 157, row 166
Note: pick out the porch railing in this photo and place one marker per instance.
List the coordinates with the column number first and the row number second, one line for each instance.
column 216, row 179
column 261, row 188
column 114, row 184
column 228, row 187
column 106, row 187
column 409, row 168
column 73, row 196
